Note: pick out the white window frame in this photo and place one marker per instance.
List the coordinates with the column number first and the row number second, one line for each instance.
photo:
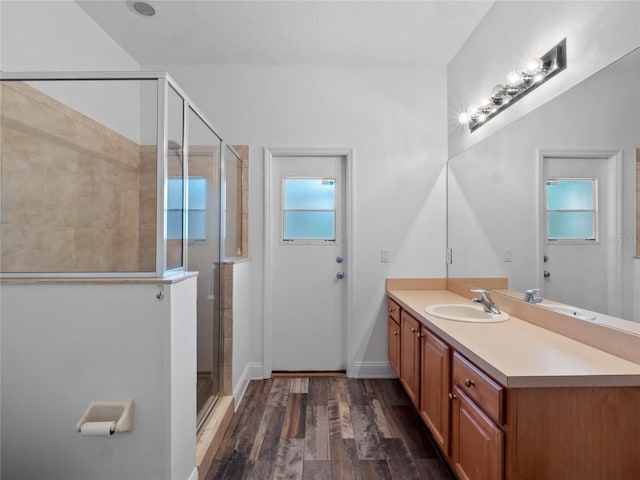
column 283, row 210
column 594, row 210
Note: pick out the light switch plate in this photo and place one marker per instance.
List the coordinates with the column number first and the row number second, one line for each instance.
column 384, row 255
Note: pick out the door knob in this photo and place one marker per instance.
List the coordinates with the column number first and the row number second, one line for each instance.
column 340, row 275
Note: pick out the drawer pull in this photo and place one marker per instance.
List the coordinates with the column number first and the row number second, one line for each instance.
column 395, row 332
column 468, row 382
column 414, row 329
column 452, row 396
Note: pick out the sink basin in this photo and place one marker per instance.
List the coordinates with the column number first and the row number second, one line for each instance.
column 465, row 313
column 570, row 311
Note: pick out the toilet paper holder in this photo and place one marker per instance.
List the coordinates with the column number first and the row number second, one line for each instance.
column 106, row 418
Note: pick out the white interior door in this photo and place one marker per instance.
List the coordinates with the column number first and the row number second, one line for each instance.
column 577, row 270
column 308, row 266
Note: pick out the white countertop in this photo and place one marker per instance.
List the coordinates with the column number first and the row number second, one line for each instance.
column 517, row 353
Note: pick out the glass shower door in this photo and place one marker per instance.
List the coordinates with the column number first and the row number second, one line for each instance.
column 203, row 256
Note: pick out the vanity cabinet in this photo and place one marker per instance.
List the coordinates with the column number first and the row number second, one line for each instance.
column 477, row 444
column 410, row 331
column 462, row 407
column 477, row 409
column 547, row 426
column 434, row 387
column 393, row 335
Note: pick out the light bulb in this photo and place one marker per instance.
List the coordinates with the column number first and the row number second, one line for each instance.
column 538, row 77
column 497, row 91
column 514, row 78
column 533, row 65
column 484, row 102
column 482, row 117
column 472, row 111
column 464, row 118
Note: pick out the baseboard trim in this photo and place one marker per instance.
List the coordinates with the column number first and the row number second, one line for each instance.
column 252, row 371
column 372, row 370
column 194, row 475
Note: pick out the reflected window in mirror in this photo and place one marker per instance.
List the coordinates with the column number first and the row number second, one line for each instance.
column 571, row 210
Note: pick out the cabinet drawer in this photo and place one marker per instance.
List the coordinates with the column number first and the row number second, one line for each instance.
column 394, row 310
column 478, row 386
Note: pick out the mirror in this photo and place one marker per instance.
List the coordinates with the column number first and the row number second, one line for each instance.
column 498, row 223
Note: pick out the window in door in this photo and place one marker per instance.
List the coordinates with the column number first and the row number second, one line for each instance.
column 308, row 210
column 572, row 210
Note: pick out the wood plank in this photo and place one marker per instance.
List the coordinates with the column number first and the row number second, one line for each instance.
column 299, row 385
column 401, row 464
column 279, row 392
column 271, row 441
column 366, row 434
column 344, row 459
column 414, row 432
column 339, row 416
column 355, row 392
column 295, row 416
column 316, row 470
column 433, row 469
column 317, row 391
column 380, row 419
column 289, row 461
column 258, row 470
column 259, row 437
column 316, row 445
column 374, row 470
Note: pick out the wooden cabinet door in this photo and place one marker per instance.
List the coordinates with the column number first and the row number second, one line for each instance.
column 393, row 342
column 477, row 444
column 434, row 387
column 410, row 357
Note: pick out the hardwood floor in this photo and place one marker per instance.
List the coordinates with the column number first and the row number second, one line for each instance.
column 326, row 428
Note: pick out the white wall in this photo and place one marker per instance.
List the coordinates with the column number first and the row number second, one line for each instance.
column 395, row 120
column 64, row 346
column 57, row 36
column 241, row 350
column 597, row 33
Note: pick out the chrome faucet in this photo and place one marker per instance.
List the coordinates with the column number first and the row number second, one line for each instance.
column 485, row 299
column 532, row 296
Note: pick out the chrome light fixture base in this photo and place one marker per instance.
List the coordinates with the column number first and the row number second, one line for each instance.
column 519, row 84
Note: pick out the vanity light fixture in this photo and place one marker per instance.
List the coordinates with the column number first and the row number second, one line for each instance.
column 520, row 82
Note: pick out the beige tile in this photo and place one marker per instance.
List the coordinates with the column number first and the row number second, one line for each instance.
column 226, row 381
column 227, row 352
column 227, row 323
column 60, row 248
column 146, row 250
column 147, row 210
column 129, row 208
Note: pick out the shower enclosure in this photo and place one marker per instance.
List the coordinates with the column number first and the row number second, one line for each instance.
column 115, row 175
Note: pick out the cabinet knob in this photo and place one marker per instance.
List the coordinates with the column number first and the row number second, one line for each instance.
column 413, row 329
column 395, row 332
column 468, row 382
column 452, row 396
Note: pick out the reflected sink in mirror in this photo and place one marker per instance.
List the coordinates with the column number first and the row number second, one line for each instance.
column 465, row 313
column 570, row 311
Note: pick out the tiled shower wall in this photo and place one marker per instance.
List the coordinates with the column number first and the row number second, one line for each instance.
column 75, row 195
column 638, row 202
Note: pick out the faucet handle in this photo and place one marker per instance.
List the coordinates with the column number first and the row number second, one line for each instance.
column 483, row 293
column 533, row 291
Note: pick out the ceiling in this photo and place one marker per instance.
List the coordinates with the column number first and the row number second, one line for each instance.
column 292, row 32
